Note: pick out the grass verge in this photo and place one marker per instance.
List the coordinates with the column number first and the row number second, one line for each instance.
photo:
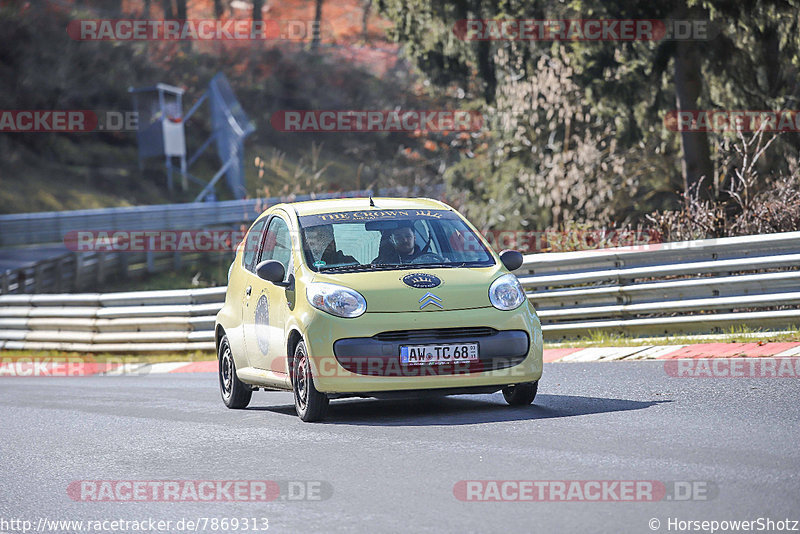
column 733, row 335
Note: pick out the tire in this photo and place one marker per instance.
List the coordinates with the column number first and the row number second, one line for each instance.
column 521, row 394
column 310, row 404
column 235, row 393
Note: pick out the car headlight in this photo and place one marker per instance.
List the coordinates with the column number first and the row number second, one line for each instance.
column 506, row 293
column 336, row 300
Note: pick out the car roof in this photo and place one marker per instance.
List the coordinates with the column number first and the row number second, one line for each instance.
column 316, row 207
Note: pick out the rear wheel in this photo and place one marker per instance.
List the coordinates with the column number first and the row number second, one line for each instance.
column 310, row 404
column 235, row 393
column 521, row 394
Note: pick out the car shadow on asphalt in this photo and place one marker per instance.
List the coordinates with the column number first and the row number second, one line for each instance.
column 463, row 410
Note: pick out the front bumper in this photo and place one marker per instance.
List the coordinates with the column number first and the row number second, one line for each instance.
column 512, row 355
column 378, row 356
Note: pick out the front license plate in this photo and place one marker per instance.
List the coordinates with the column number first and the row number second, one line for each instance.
column 438, row 354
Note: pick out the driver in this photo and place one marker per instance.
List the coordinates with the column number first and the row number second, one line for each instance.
column 403, row 247
column 322, row 246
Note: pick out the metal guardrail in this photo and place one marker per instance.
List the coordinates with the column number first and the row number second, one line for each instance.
column 140, row 321
column 52, row 226
column 79, row 271
column 687, row 287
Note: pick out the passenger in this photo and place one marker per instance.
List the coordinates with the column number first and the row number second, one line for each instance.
column 322, row 246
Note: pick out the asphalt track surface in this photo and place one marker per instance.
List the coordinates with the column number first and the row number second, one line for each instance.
column 391, row 466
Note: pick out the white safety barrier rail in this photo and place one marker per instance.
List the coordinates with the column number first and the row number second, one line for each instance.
column 688, row 287
column 52, row 226
column 140, row 321
column 66, row 271
column 79, row 271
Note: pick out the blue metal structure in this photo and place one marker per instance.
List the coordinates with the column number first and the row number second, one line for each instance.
column 161, row 133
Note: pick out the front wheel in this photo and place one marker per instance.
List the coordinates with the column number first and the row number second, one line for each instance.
column 235, row 393
column 521, row 394
column 310, row 404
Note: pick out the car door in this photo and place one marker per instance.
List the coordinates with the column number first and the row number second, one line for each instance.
column 252, row 247
column 267, row 307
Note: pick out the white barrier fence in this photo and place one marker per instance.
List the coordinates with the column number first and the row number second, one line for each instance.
column 22, row 229
column 139, row 321
column 688, row 287
column 77, row 271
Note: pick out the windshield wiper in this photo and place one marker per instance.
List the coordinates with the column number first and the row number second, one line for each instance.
column 348, row 266
column 352, row 267
column 356, row 267
column 438, row 265
column 366, row 267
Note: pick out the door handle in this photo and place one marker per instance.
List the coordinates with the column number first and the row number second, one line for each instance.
column 248, row 290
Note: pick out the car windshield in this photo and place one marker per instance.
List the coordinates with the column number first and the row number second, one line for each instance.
column 390, row 239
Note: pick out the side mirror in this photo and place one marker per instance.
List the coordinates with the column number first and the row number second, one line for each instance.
column 271, row 271
column 511, row 259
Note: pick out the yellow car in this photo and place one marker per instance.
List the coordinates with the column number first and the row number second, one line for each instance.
column 383, row 297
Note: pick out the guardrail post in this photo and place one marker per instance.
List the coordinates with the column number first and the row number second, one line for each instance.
column 19, row 274
column 78, row 271
column 58, row 274
column 4, row 282
column 101, row 267
column 123, row 263
column 177, row 260
column 38, row 278
column 150, row 262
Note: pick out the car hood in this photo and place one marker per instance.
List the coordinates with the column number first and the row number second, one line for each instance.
column 386, row 291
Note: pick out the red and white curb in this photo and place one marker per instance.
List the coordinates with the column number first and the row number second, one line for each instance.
column 670, row 352
column 77, row 367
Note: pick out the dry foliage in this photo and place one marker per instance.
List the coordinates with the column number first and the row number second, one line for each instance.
column 751, row 204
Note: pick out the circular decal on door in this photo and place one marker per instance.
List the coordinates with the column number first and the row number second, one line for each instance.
column 262, row 324
column 421, row 280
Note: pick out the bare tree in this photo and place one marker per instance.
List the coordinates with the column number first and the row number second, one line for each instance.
column 219, row 9
column 168, row 12
column 366, row 7
column 317, row 24
column 181, row 9
column 696, row 166
column 258, row 5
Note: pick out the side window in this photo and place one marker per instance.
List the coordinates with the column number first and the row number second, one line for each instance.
column 278, row 243
column 251, row 242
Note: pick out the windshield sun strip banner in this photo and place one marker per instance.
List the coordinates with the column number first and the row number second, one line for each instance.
column 375, row 215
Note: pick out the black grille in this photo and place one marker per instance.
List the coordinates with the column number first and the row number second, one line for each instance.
column 438, row 333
